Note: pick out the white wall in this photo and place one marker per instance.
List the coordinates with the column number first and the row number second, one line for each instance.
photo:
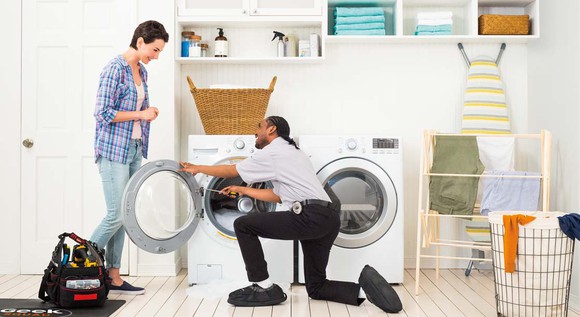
column 392, row 90
column 554, row 81
column 10, row 141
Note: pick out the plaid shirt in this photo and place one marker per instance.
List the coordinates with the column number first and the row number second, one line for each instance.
column 117, row 92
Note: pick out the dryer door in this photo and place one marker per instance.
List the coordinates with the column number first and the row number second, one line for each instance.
column 368, row 200
column 161, row 207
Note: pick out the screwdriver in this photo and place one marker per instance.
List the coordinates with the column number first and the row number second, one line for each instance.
column 230, row 194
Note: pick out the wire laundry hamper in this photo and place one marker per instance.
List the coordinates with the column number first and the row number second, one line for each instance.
column 540, row 283
column 231, row 111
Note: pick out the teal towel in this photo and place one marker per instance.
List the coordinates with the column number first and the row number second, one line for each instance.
column 361, row 32
column 360, row 19
column 362, row 26
column 433, row 28
column 434, row 33
column 358, row 11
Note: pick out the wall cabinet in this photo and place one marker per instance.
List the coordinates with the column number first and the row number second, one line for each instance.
column 248, row 7
column 249, row 24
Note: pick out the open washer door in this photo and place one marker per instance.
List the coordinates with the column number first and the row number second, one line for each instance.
column 161, row 207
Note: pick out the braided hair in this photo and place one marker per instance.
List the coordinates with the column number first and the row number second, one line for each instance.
column 282, row 128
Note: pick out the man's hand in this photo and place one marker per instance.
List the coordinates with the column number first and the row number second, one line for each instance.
column 233, row 191
column 188, row 168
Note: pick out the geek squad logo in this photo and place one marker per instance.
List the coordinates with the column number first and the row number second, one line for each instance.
column 34, row 312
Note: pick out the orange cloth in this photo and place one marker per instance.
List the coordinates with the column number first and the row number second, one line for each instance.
column 510, row 238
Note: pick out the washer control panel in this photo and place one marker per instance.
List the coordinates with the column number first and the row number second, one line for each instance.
column 369, row 145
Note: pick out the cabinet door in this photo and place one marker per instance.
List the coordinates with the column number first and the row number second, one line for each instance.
column 285, row 7
column 212, row 7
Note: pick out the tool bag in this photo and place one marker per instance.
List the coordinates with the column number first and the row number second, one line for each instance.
column 77, row 279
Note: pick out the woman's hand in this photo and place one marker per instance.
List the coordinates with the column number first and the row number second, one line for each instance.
column 188, row 168
column 149, row 114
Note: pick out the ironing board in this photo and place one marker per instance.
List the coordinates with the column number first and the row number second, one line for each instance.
column 485, row 111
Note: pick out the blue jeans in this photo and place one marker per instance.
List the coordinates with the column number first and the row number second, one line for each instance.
column 115, row 176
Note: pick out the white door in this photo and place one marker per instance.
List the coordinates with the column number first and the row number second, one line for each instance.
column 65, row 44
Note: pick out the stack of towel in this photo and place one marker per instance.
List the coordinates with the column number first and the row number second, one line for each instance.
column 359, row 21
column 434, row 23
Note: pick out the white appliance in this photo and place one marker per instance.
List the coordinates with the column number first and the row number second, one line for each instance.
column 164, row 209
column 365, row 172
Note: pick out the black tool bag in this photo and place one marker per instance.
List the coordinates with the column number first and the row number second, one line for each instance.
column 75, row 278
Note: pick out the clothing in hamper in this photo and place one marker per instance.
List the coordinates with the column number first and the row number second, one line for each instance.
column 484, row 108
column 454, row 155
column 539, row 285
column 570, row 224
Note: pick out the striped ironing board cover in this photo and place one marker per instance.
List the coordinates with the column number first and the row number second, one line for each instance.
column 484, row 112
column 484, row 108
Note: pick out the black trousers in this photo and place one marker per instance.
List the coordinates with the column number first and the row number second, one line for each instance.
column 316, row 228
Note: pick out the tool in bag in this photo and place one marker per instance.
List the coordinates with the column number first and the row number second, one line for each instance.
column 77, row 279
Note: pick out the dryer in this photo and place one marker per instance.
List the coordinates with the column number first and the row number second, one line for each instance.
column 164, row 209
column 365, row 172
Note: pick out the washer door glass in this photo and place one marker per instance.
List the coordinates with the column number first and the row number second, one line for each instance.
column 161, row 207
column 223, row 210
column 368, row 200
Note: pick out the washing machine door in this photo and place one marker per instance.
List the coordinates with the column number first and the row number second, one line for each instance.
column 368, row 200
column 161, row 207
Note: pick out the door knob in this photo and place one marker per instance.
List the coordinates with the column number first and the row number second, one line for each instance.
column 28, row 143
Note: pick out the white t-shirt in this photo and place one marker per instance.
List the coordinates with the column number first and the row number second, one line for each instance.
column 289, row 170
column 137, row 124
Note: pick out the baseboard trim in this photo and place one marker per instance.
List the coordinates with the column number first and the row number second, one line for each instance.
column 574, row 302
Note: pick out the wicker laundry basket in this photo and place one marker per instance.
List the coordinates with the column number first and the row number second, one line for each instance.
column 495, row 24
column 231, row 111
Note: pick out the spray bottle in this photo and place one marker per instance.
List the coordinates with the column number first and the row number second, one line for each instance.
column 280, row 46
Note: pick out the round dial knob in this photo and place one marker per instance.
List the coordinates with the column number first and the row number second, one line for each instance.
column 239, row 144
column 351, row 144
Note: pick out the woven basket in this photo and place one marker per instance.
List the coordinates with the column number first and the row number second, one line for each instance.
column 494, row 24
column 231, row 111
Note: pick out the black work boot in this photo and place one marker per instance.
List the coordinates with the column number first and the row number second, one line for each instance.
column 378, row 291
column 254, row 295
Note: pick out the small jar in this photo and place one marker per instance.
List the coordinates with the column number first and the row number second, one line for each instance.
column 185, row 42
column 194, row 46
column 204, row 49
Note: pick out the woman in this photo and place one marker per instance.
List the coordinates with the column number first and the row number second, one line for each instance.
column 123, row 117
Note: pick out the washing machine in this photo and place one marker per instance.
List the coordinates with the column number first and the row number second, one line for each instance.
column 365, row 172
column 165, row 208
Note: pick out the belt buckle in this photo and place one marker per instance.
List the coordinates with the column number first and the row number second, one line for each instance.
column 297, row 207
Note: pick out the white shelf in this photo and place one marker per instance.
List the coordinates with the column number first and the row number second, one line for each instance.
column 251, row 21
column 248, row 60
column 411, row 39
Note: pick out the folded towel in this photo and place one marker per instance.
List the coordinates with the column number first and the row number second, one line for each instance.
column 433, row 33
column 435, row 15
column 361, row 32
column 360, row 19
column 361, row 26
column 434, row 21
column 434, row 28
column 357, row 11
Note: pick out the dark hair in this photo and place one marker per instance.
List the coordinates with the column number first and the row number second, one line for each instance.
column 282, row 128
column 149, row 31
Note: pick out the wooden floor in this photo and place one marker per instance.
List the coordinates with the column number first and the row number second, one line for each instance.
column 452, row 294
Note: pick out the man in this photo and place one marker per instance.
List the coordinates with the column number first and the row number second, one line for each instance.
column 312, row 218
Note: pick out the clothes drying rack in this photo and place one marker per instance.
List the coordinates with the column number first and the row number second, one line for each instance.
column 428, row 221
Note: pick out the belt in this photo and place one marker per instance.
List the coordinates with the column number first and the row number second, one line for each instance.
column 298, row 205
